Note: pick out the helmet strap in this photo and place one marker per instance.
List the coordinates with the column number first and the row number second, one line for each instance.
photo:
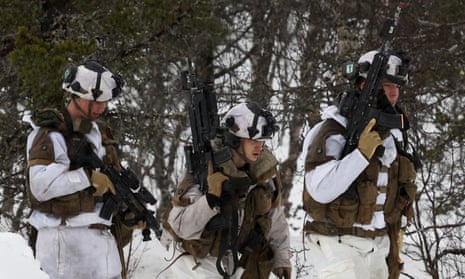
column 79, row 108
column 89, row 110
column 240, row 151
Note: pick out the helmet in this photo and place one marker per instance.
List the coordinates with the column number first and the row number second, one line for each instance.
column 250, row 121
column 92, row 81
column 396, row 68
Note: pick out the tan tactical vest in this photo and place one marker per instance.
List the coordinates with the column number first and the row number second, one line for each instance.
column 42, row 153
column 338, row 216
column 256, row 202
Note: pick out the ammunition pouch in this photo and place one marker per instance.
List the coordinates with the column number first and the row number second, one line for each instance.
column 367, row 192
column 66, row 206
column 341, row 212
column 72, row 205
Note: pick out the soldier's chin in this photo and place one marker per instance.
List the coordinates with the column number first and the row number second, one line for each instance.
column 95, row 116
column 254, row 158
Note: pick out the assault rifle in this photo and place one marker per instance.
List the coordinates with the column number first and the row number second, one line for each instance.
column 362, row 109
column 131, row 197
column 204, row 122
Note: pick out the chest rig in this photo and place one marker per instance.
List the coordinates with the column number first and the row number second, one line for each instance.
column 338, row 216
column 42, row 153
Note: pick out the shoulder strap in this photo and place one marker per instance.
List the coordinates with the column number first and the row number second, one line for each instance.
column 48, row 120
column 41, row 152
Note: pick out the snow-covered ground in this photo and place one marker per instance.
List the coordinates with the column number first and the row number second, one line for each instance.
column 16, row 259
column 150, row 258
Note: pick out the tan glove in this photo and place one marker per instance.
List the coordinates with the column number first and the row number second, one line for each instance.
column 215, row 181
column 101, row 183
column 369, row 140
column 283, row 272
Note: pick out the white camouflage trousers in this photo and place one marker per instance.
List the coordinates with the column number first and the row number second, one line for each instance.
column 350, row 257
column 78, row 253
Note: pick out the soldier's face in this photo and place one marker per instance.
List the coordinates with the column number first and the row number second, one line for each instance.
column 392, row 91
column 90, row 109
column 252, row 149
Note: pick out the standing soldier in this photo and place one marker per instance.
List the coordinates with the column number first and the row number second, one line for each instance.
column 358, row 233
column 66, row 196
column 245, row 195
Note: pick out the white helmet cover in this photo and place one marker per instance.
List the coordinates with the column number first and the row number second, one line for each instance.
column 250, row 121
column 92, row 81
column 396, row 68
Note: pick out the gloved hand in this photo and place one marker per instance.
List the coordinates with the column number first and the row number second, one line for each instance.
column 101, row 183
column 215, row 181
column 369, row 140
column 283, row 272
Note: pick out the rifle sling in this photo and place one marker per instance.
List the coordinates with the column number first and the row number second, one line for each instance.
column 228, row 241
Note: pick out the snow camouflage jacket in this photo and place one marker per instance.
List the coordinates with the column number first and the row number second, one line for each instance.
column 78, row 207
column 259, row 193
column 41, row 152
column 385, row 188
